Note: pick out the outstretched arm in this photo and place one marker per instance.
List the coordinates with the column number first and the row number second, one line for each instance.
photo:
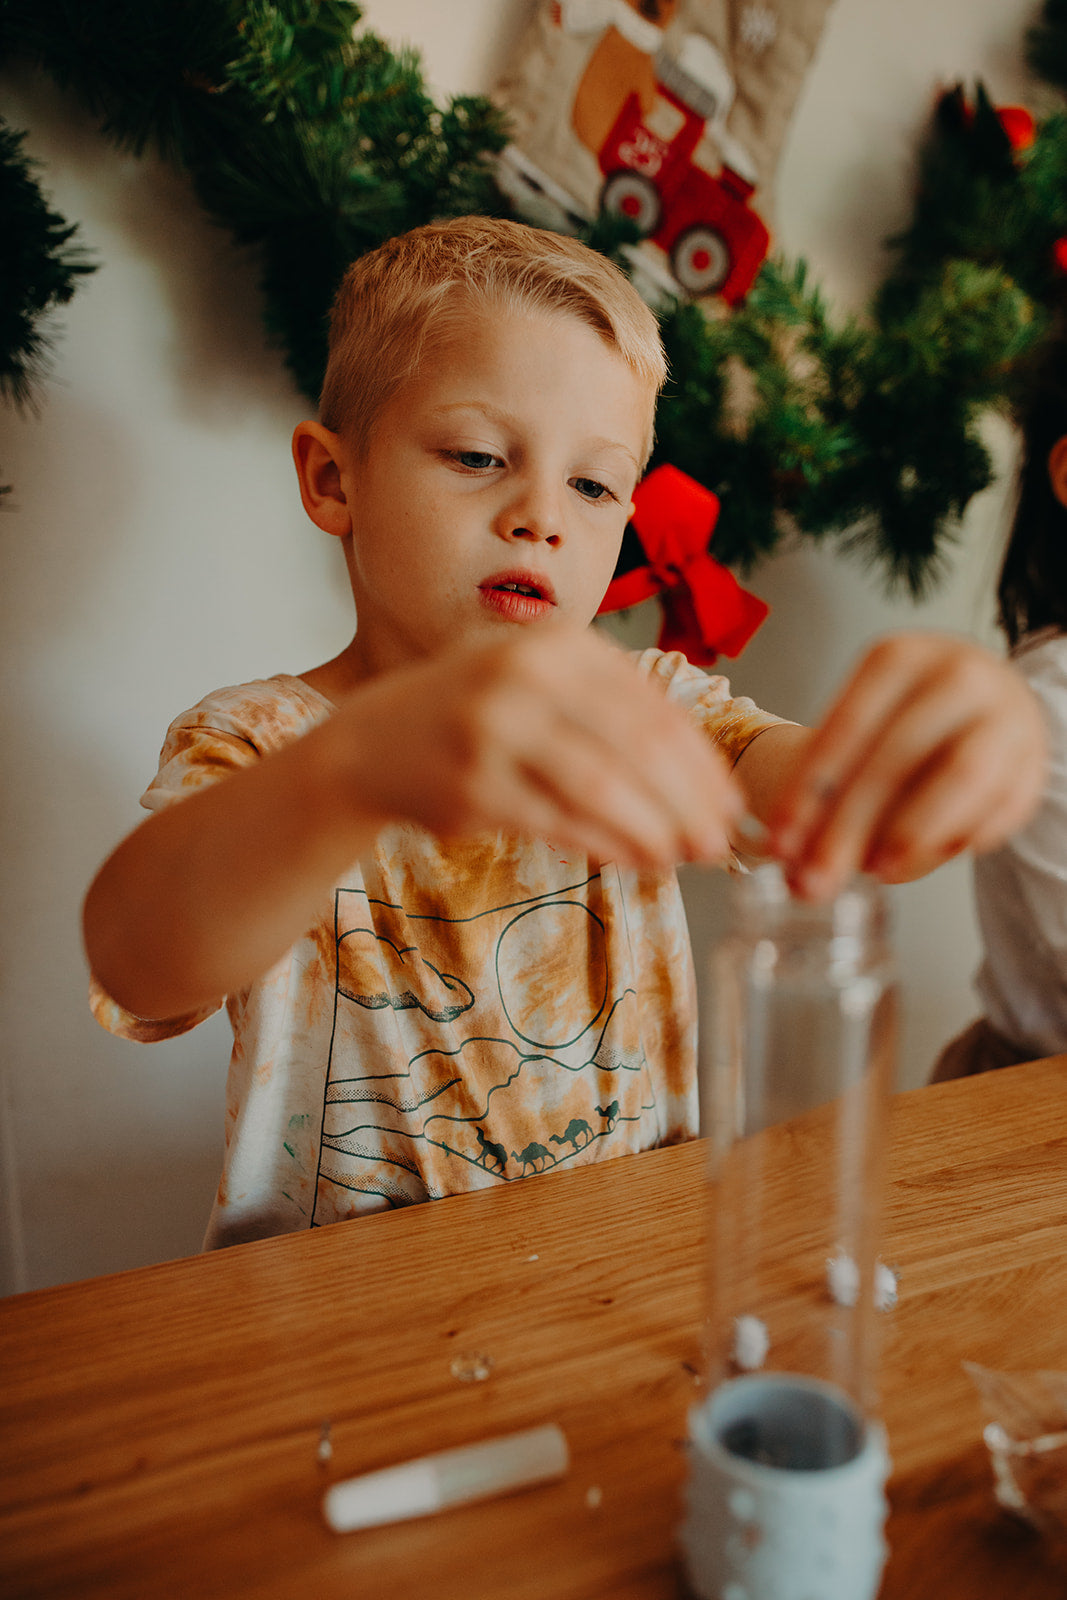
column 552, row 733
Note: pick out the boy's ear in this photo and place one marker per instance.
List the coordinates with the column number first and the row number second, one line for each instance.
column 319, row 457
column 1057, row 469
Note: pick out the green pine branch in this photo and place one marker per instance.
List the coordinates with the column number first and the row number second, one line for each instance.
column 311, row 141
column 40, row 268
column 302, row 134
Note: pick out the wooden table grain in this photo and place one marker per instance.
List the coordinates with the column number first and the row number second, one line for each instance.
column 159, row 1429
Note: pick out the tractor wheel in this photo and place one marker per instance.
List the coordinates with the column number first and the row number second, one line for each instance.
column 628, row 194
column 701, row 260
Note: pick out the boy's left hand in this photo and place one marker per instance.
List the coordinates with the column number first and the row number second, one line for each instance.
column 934, row 746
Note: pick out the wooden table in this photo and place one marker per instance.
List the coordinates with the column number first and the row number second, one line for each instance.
column 159, row 1429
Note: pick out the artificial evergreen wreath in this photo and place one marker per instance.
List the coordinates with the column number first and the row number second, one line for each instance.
column 311, row 141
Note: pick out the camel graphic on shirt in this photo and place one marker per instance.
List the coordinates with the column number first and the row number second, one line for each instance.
column 531, row 1156
column 506, row 1029
column 576, row 1133
column 491, row 1151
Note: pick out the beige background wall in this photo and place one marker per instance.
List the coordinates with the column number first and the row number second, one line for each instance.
column 154, row 548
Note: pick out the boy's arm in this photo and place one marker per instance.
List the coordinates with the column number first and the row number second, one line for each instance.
column 552, row 734
column 934, row 746
column 209, row 892
column 768, row 764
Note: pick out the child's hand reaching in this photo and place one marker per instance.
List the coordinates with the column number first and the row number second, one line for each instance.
column 933, row 747
column 551, row 733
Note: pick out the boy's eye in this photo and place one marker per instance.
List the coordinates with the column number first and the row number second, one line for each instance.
column 591, row 489
column 474, row 460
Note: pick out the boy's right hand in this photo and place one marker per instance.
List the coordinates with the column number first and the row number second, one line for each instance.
column 552, row 733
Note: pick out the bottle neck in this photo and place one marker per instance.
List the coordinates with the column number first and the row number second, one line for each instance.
column 763, row 906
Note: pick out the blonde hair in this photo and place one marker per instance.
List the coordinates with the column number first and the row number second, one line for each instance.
column 395, row 299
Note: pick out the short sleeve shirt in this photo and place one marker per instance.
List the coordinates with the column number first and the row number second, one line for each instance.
column 459, row 1014
column 1021, row 888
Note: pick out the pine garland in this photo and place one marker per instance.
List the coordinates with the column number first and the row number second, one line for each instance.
column 868, row 430
column 311, row 142
column 40, row 266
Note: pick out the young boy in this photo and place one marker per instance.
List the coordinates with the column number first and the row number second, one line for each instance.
column 433, row 878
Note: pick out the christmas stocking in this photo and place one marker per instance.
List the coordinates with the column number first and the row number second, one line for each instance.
column 670, row 112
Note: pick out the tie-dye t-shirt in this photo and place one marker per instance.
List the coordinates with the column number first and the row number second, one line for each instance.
column 460, row 1014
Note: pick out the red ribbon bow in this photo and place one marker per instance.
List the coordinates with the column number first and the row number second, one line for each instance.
column 705, row 609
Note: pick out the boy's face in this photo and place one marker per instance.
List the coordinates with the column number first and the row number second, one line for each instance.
column 496, row 487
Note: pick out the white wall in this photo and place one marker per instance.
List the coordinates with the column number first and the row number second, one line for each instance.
column 154, row 547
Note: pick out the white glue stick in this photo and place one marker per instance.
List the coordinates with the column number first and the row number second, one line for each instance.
column 449, row 1478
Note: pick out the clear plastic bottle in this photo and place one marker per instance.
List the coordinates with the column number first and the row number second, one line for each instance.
column 785, row 1499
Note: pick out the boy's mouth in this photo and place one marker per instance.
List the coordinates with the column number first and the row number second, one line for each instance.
column 519, row 596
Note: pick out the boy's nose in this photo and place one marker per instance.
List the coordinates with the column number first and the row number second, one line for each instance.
column 533, row 515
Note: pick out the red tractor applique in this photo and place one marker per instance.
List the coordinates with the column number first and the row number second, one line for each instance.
column 714, row 240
